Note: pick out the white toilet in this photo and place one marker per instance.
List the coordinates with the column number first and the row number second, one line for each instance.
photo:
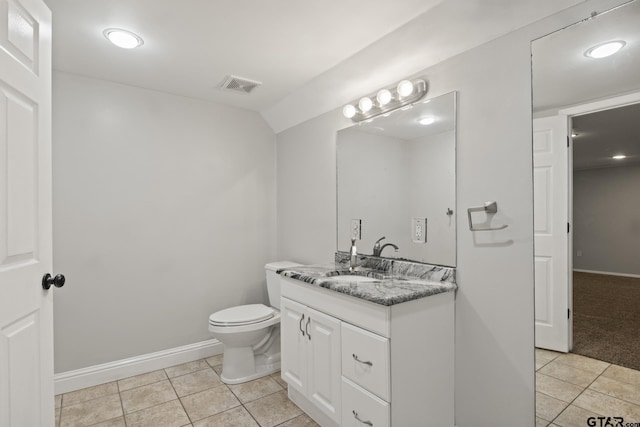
column 251, row 333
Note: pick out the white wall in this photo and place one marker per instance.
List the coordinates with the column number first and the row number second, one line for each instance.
column 606, row 219
column 164, row 211
column 494, row 304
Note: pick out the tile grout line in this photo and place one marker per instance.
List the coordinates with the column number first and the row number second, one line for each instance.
column 580, row 394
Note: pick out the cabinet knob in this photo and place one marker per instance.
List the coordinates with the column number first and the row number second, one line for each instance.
column 355, row 414
column 300, row 324
column 306, row 328
column 364, row 362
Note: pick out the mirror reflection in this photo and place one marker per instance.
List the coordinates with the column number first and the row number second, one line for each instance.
column 396, row 178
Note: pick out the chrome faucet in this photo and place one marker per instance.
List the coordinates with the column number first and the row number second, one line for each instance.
column 377, row 248
column 353, row 252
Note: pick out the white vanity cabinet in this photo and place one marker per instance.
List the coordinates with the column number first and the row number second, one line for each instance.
column 351, row 362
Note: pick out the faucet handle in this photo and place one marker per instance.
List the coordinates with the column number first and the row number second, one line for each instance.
column 380, row 239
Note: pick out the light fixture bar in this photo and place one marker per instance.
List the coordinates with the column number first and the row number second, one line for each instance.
column 386, row 100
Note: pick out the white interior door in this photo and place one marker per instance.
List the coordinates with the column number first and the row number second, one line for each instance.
column 26, row 330
column 551, row 232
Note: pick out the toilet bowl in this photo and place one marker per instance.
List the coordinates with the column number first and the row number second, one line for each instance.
column 251, row 334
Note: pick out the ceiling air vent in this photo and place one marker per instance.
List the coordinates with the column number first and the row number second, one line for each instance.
column 239, row 84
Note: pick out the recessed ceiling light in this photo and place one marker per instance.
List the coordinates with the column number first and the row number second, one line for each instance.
column 604, row 49
column 425, row 121
column 123, row 38
column 619, row 157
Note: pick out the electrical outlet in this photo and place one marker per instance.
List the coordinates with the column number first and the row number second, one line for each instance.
column 356, row 229
column 419, row 230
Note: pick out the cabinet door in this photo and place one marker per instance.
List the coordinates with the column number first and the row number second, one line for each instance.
column 293, row 342
column 324, row 370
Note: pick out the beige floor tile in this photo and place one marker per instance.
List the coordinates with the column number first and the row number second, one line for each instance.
column 569, row 373
column 540, row 364
column 147, row 396
column 548, row 407
column 209, row 402
column 236, row 417
column 116, row 422
column 582, row 362
column 559, row 389
column 302, row 421
column 195, row 382
column 255, row 389
column 187, row 368
column 215, row 360
column 625, row 375
column 541, row 423
column 140, row 380
column 168, row 414
column 276, row 376
column 91, row 412
column 574, row 416
column 89, row 393
column 607, row 405
column 546, row 355
column 218, row 369
column 618, row 389
column 58, row 400
column 57, row 421
column 273, row 409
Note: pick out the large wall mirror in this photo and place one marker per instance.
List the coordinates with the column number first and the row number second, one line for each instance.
column 393, row 173
column 586, row 149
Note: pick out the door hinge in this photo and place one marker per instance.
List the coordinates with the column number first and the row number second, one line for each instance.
column 568, row 228
column 568, row 313
column 568, row 140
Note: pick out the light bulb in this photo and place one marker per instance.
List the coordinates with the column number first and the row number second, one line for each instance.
column 365, row 104
column 349, row 111
column 383, row 97
column 405, row 88
column 425, row 121
column 123, row 38
column 605, row 49
column 619, row 157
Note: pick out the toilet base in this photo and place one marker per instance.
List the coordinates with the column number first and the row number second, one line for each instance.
column 247, row 366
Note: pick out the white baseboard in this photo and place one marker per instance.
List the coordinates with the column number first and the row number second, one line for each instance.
column 119, row 369
column 608, row 273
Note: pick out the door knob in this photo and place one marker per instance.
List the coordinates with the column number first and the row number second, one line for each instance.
column 57, row 281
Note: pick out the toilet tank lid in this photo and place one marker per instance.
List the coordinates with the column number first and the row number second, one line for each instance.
column 277, row 265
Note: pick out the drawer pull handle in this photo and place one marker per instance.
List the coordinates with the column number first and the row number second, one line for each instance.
column 306, row 328
column 300, row 324
column 355, row 414
column 368, row 363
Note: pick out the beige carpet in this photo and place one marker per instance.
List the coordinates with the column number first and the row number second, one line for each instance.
column 606, row 318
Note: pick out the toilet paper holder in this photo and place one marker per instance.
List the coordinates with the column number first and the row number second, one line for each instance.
column 488, row 208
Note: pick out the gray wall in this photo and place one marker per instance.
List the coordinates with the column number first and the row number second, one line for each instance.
column 606, row 219
column 164, row 211
column 494, row 366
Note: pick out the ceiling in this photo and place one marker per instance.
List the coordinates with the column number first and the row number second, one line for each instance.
column 190, row 46
column 563, row 76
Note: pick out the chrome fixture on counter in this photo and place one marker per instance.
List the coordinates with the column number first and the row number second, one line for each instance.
column 386, row 100
column 353, row 256
column 377, row 248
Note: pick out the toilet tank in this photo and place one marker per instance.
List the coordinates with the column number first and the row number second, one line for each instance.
column 273, row 280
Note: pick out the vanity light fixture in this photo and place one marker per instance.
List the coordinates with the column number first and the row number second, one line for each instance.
column 426, row 121
column 123, row 38
column 603, row 50
column 386, row 100
column 619, row 157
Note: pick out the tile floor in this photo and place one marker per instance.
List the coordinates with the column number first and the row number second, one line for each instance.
column 185, row 395
column 571, row 388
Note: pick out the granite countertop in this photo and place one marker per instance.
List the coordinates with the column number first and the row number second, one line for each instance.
column 388, row 285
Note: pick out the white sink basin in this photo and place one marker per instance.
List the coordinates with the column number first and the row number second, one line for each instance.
column 352, row 279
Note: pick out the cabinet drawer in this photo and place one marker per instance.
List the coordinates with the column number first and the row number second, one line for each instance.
column 365, row 360
column 359, row 407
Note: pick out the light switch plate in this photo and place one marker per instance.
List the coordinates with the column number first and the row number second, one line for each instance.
column 419, row 230
column 356, row 229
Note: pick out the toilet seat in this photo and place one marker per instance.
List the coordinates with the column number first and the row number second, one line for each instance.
column 241, row 315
